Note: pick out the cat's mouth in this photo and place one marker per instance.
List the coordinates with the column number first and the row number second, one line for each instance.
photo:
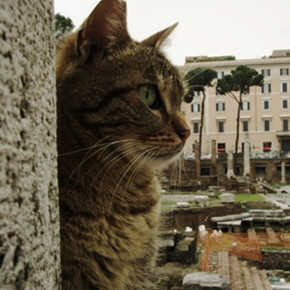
column 164, row 158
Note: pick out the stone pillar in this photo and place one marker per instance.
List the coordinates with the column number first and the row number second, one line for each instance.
column 213, row 163
column 29, row 219
column 247, row 156
column 230, row 172
column 253, row 171
column 283, row 172
column 197, row 160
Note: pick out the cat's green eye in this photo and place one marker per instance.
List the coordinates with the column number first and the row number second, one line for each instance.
column 150, row 96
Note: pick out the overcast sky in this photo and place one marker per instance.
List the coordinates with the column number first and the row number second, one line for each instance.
column 243, row 28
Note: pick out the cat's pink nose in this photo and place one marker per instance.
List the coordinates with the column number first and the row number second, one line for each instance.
column 184, row 134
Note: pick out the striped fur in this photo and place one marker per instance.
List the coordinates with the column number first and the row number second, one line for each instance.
column 109, row 143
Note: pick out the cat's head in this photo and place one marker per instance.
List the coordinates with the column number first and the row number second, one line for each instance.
column 114, row 89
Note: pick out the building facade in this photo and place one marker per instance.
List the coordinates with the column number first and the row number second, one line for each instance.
column 265, row 112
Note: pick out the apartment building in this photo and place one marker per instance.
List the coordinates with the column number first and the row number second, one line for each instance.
column 265, row 112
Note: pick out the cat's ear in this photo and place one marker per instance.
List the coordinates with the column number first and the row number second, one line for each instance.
column 105, row 28
column 158, row 38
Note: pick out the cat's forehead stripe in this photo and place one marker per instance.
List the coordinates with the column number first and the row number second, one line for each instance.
column 171, row 91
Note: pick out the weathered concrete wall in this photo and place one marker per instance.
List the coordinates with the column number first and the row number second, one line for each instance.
column 29, row 239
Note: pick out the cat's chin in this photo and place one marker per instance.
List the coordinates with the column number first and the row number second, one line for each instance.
column 164, row 160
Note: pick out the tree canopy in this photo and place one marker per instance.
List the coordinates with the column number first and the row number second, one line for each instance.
column 236, row 85
column 197, row 79
column 62, row 24
column 240, row 80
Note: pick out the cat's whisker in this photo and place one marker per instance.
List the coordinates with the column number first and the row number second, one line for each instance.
column 183, row 169
column 128, row 142
column 202, row 70
column 87, row 156
column 139, row 167
column 179, row 173
column 85, row 148
column 117, row 158
column 176, row 176
column 172, row 175
column 134, row 160
column 135, row 171
column 147, row 157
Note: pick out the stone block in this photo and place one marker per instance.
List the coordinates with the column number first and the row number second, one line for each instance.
column 185, row 250
column 205, row 281
column 227, row 197
column 182, row 204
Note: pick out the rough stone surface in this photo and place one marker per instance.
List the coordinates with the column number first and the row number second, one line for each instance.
column 29, row 221
column 205, row 281
column 227, row 197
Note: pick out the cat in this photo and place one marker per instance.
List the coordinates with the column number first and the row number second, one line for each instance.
column 119, row 119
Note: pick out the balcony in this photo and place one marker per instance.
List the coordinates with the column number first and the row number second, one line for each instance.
column 283, row 133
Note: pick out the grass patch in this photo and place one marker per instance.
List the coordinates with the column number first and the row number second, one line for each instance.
column 248, row 197
column 277, row 248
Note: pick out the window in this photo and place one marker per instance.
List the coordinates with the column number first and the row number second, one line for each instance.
column 195, row 127
column 284, row 87
column 266, row 104
column 266, row 72
column 195, row 107
column 220, row 74
column 245, row 126
column 246, row 91
column 267, row 125
column 220, row 126
column 284, row 104
column 220, row 107
column 221, row 147
column 245, row 105
column 267, row 146
column 196, row 93
column 285, row 125
column 284, row 71
column 266, row 88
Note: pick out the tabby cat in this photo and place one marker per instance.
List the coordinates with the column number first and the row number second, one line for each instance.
column 118, row 120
